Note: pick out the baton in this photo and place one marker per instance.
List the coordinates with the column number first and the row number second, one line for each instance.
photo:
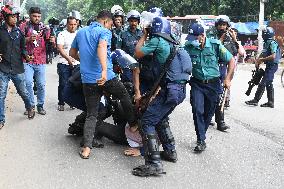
column 224, row 99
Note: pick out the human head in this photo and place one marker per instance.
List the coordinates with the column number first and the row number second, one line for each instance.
column 222, row 23
column 105, row 18
column 71, row 24
column 196, row 35
column 35, row 15
column 10, row 14
column 133, row 17
column 268, row 33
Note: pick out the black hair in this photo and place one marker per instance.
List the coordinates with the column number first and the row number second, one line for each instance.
column 70, row 18
column 34, row 10
column 104, row 14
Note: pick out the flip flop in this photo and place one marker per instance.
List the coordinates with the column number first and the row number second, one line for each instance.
column 1, row 125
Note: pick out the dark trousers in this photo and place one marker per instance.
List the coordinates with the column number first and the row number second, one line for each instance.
column 74, row 97
column 93, row 93
column 268, row 77
column 64, row 72
column 203, row 98
column 161, row 107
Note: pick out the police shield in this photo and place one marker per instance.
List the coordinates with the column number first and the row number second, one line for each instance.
column 123, row 59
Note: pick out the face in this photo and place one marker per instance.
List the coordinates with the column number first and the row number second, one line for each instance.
column 35, row 18
column 133, row 23
column 118, row 21
column 72, row 25
column 12, row 20
column 108, row 23
column 222, row 26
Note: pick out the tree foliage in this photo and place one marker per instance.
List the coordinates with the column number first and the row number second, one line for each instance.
column 238, row 10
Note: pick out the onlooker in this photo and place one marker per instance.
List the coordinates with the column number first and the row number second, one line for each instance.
column 12, row 50
column 66, row 62
column 37, row 35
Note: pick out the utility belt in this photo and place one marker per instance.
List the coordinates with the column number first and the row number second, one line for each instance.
column 206, row 81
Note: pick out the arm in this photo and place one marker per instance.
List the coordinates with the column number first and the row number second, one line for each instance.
column 61, row 51
column 74, row 53
column 102, row 55
column 230, row 72
column 136, row 83
column 138, row 53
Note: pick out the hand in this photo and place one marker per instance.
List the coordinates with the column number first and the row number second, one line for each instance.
column 222, row 37
column 33, row 37
column 29, row 58
column 103, row 79
column 137, row 97
column 227, row 83
column 233, row 35
column 71, row 61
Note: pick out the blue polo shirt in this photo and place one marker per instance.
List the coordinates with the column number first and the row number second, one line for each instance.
column 86, row 41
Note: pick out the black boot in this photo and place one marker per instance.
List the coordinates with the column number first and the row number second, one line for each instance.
column 219, row 119
column 153, row 165
column 270, row 96
column 200, row 147
column 166, row 137
column 257, row 96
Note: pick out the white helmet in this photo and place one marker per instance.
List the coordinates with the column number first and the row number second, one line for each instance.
column 75, row 14
column 133, row 14
column 116, row 8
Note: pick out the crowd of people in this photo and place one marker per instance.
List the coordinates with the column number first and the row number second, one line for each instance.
column 140, row 96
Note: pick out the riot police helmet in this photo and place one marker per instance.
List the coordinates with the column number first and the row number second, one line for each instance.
column 194, row 30
column 160, row 25
column 157, row 11
column 268, row 33
column 222, row 19
column 133, row 14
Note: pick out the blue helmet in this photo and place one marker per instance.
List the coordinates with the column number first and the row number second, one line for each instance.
column 156, row 11
column 160, row 25
column 268, row 33
column 194, row 30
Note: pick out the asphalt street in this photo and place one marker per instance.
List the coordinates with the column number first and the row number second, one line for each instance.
column 40, row 154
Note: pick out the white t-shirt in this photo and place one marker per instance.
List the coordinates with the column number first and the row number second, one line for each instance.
column 66, row 38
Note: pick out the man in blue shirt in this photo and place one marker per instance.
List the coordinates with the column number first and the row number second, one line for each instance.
column 93, row 44
column 205, row 82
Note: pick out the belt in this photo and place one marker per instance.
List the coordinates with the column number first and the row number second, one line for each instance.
column 207, row 80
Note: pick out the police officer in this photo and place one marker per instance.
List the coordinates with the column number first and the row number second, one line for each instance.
column 118, row 21
column 205, row 82
column 130, row 38
column 172, row 93
column 271, row 56
column 228, row 38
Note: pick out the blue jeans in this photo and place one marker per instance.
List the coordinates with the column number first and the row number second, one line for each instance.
column 20, row 84
column 64, row 72
column 37, row 71
column 203, row 99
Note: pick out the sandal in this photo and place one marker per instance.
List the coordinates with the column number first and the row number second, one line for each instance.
column 1, row 125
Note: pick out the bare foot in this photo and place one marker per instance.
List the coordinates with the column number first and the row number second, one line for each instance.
column 85, row 153
column 134, row 152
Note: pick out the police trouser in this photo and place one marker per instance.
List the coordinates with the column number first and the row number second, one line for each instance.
column 155, row 117
column 203, row 99
column 267, row 81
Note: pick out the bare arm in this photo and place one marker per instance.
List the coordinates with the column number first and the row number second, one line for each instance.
column 74, row 54
column 230, row 72
column 64, row 55
column 102, row 55
column 136, row 83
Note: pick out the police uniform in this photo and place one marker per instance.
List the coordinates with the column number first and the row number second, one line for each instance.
column 129, row 41
column 270, row 47
column 116, row 40
column 155, row 118
column 205, row 82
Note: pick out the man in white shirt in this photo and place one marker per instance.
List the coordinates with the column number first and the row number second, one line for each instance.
column 66, row 63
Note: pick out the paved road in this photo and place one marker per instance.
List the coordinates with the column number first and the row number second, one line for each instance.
column 40, row 154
